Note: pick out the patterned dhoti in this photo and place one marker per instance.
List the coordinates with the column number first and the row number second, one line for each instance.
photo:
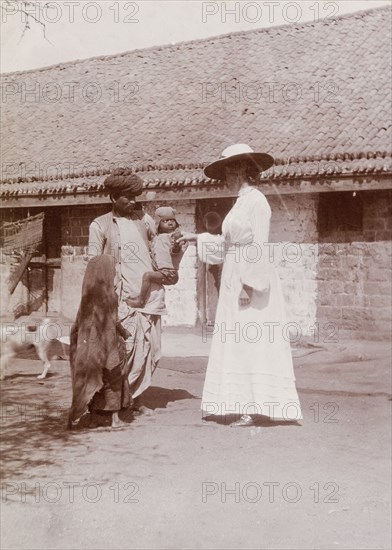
column 143, row 349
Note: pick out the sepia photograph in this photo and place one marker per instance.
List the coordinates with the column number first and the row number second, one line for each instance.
column 195, row 269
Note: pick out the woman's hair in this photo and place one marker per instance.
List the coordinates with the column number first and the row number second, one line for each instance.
column 251, row 170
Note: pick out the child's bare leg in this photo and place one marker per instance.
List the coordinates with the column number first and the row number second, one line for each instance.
column 149, row 278
column 116, row 422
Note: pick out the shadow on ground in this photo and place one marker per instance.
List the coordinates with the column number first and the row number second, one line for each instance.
column 159, row 398
column 34, row 416
column 259, row 421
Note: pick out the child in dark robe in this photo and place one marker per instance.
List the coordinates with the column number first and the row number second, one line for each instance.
column 97, row 352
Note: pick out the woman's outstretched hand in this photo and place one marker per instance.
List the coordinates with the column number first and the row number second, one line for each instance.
column 245, row 295
column 187, row 237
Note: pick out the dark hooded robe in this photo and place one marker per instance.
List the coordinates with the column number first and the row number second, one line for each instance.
column 97, row 353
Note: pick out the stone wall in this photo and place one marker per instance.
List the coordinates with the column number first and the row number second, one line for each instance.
column 354, row 278
column 294, row 251
column 75, row 221
column 339, row 284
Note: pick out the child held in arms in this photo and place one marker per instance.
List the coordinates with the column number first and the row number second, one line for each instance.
column 166, row 255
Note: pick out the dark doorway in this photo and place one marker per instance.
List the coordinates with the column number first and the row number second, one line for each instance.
column 210, row 214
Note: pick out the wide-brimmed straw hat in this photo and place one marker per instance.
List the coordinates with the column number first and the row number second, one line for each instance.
column 239, row 151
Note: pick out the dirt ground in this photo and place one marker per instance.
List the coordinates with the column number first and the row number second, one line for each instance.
column 172, row 480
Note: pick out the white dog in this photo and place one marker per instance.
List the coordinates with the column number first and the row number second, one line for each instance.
column 16, row 337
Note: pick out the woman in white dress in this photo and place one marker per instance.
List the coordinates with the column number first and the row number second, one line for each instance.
column 250, row 369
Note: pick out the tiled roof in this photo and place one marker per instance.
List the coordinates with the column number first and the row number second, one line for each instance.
column 314, row 95
column 364, row 165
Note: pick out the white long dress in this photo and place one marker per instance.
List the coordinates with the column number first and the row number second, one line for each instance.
column 250, row 367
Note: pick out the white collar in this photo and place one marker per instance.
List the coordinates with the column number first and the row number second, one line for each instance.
column 246, row 190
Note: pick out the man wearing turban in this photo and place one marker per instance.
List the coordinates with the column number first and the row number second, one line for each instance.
column 125, row 233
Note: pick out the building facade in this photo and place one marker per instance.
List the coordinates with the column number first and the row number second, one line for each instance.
column 315, row 96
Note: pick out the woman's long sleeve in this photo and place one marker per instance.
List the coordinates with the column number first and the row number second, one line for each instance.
column 211, row 248
column 255, row 265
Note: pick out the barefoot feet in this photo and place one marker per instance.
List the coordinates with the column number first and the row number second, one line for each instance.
column 116, row 422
